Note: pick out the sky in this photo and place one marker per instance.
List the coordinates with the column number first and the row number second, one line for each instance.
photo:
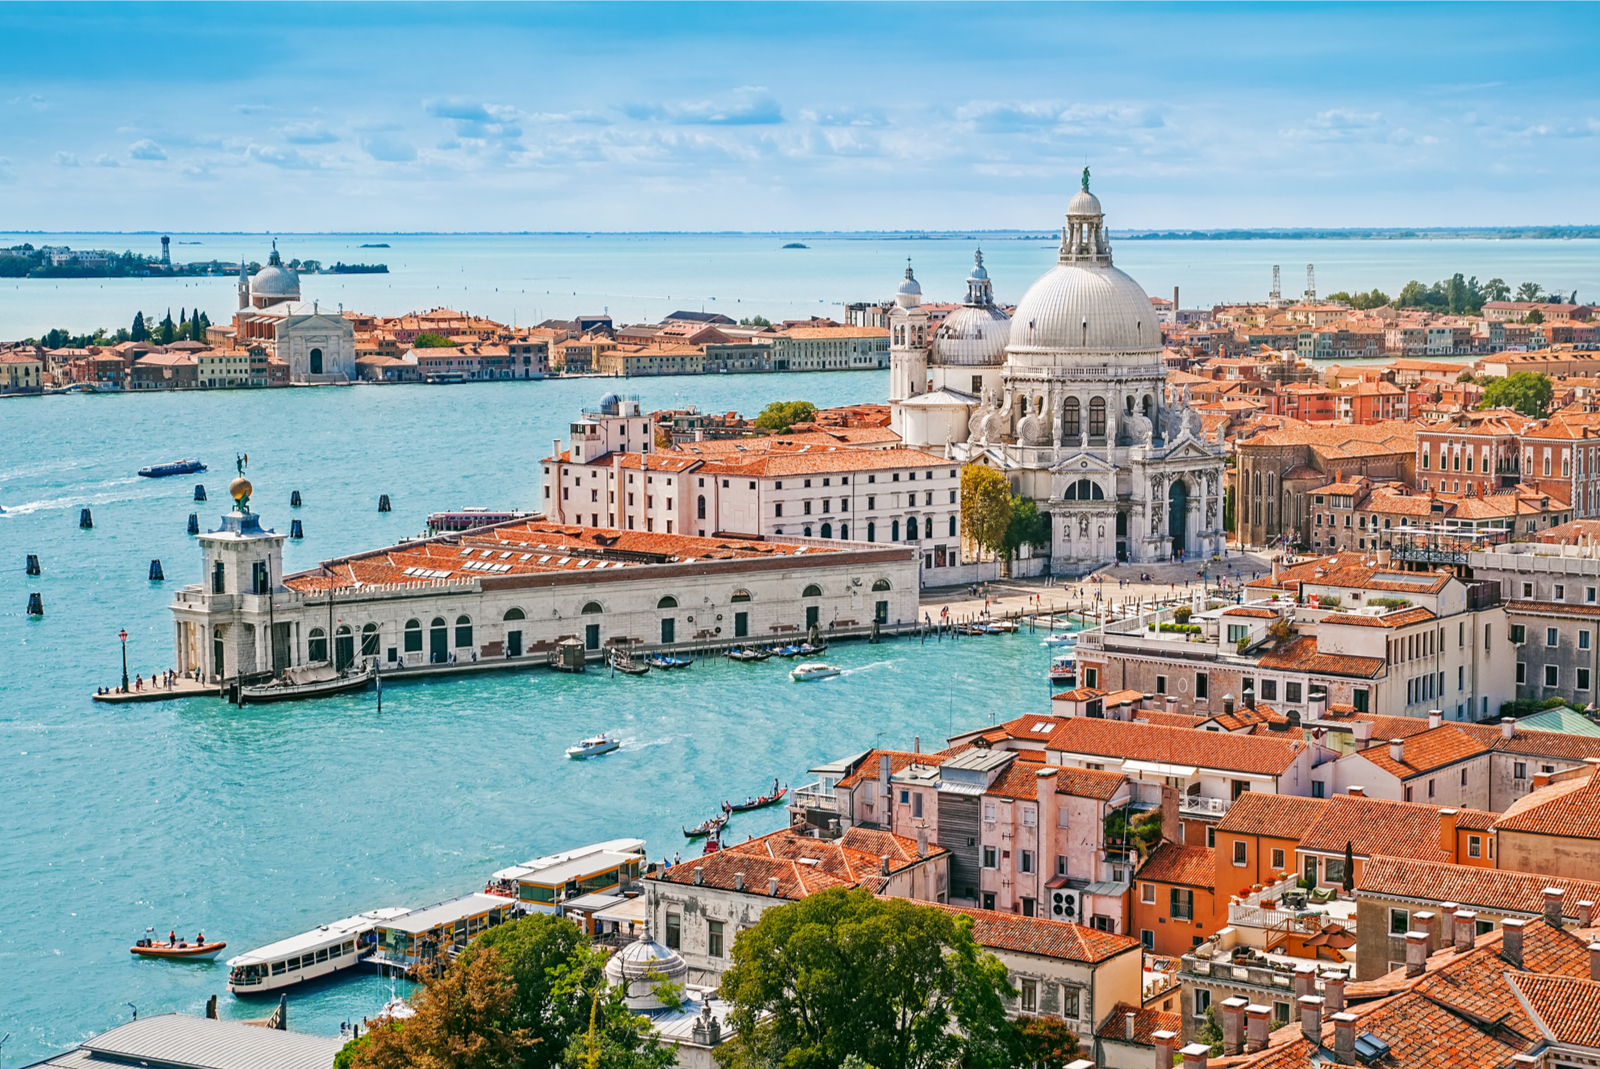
column 793, row 117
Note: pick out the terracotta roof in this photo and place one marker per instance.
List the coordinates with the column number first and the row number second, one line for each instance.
column 1168, row 720
column 1536, row 743
column 1281, row 816
column 1569, row 809
column 1402, row 618
column 1376, row 826
column 1146, row 742
column 1191, row 866
column 1245, row 717
column 1251, row 611
column 899, row 761
column 802, row 865
column 1042, row 936
column 1474, row 984
column 1500, row 890
column 1089, row 783
column 1035, row 728
column 1301, row 655
column 1019, row 781
column 1426, row 752
column 1146, row 1022
column 1565, row 1009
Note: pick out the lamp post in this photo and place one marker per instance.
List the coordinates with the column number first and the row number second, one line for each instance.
column 123, row 635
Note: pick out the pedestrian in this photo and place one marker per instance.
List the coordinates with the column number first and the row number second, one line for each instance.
column 677, row 858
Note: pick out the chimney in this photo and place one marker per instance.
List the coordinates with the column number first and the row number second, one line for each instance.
column 1305, row 979
column 1170, row 824
column 1257, row 1028
column 1447, row 831
column 1194, row 1056
column 1227, row 705
column 1311, row 1018
column 1174, row 304
column 1319, row 705
column 916, row 744
column 1344, row 1038
column 1585, row 914
column 1511, row 944
column 1361, row 731
column 772, row 886
column 1249, row 695
column 1357, row 791
column 1435, row 718
column 1426, row 923
column 1541, row 779
column 1274, row 571
column 1383, row 557
column 883, row 866
column 1466, row 930
column 883, row 774
column 1508, row 727
column 1166, row 1046
column 1233, row 1024
column 738, row 881
column 699, row 876
column 1333, row 989
column 1172, row 703
column 1594, row 961
column 1416, row 954
column 1552, row 906
column 1397, row 751
column 922, row 841
column 1127, row 1025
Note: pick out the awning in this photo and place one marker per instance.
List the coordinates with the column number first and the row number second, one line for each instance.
column 1158, row 768
column 629, row 910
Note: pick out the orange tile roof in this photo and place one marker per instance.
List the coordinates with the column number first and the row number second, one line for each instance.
column 1146, row 742
column 1301, row 655
column 1400, row 618
column 1500, row 890
column 1569, row 809
column 1376, row 826
column 1251, row 611
column 1427, row 752
column 1019, row 781
column 853, row 860
column 1565, row 1009
column 1280, row 816
column 1536, row 743
column 1191, row 866
column 1146, row 1022
column 1089, row 783
column 1043, row 937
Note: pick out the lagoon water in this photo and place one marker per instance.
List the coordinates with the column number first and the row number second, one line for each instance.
column 525, row 278
column 259, row 823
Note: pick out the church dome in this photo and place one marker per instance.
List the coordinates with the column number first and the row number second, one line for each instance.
column 972, row 335
column 275, row 280
column 1084, row 203
column 909, row 295
column 640, row 967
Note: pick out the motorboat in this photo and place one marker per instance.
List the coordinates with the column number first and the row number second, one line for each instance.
column 1003, row 627
column 175, row 467
column 1061, row 639
column 748, row 654
column 180, row 951
column 707, row 827
column 756, row 803
column 803, row 673
column 1064, row 670
column 326, row 949
column 307, row 681
column 665, row 661
column 621, row 662
column 593, row 747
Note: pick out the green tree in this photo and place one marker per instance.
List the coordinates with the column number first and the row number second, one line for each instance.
column 533, row 951
column 1458, row 295
column 901, row 984
column 755, row 321
column 465, row 1019
column 612, row 1036
column 1496, row 289
column 985, row 506
column 197, row 330
column 1533, row 316
column 1027, row 527
column 429, row 340
column 139, row 332
column 1048, row 1043
column 1527, row 392
column 780, row 416
column 1529, row 291
column 168, row 330
column 1210, row 1033
column 1227, row 509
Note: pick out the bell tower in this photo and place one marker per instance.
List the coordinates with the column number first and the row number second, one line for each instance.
column 909, row 339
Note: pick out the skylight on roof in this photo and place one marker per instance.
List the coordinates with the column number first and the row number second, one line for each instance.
column 1043, row 725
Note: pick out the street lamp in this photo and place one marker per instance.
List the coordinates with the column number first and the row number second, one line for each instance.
column 123, row 635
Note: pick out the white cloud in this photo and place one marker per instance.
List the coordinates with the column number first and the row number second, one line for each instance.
column 748, row 105
column 146, row 149
column 308, row 133
column 287, row 158
column 389, row 149
column 66, row 159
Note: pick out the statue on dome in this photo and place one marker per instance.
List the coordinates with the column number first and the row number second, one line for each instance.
column 1086, row 179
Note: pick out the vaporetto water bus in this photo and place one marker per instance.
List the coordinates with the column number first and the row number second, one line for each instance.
column 323, row 951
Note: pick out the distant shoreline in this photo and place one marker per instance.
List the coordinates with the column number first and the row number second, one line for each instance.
column 1519, row 233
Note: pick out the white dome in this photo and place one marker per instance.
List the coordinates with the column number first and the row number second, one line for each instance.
column 909, row 295
column 640, row 967
column 275, row 282
column 1084, row 203
column 972, row 335
column 1080, row 306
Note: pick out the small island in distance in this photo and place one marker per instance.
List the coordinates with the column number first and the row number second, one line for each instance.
column 377, row 245
column 797, row 245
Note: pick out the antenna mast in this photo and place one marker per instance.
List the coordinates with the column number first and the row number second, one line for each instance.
column 1277, row 284
column 1311, row 282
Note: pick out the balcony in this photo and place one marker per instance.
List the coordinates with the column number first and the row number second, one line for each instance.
column 816, row 796
column 1197, row 805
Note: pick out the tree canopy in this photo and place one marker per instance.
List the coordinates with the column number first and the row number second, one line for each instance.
column 1527, row 392
column 780, row 416
column 900, row 984
column 430, row 340
column 1376, row 298
column 985, row 507
column 1027, row 527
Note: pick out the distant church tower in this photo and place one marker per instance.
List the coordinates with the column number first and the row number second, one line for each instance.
column 909, row 338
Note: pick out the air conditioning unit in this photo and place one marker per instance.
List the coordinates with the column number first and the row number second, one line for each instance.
column 1065, row 905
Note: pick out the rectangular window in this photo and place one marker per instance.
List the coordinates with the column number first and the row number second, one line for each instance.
column 674, row 930
column 1552, row 637
column 1474, row 846
column 1182, row 904
column 1147, row 893
column 1202, row 1002
column 1552, row 675
column 1358, row 698
column 1030, row 816
column 1069, row 1003
column 916, row 804
column 1025, row 861
column 1161, row 684
column 1277, row 859
column 714, row 939
column 1332, row 870
column 1269, row 690
column 1030, row 995
column 1318, row 789
column 1583, row 679
column 1583, row 640
column 1522, row 673
column 1200, row 685
column 1519, row 770
column 1241, row 852
column 1561, row 592
column 988, row 812
column 990, row 858
column 1291, row 692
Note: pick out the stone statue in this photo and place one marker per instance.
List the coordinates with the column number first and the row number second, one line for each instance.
column 1085, row 180
column 1083, row 527
column 1139, row 429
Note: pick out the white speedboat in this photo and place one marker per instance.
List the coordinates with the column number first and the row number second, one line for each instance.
column 813, row 670
column 1062, row 639
column 593, row 747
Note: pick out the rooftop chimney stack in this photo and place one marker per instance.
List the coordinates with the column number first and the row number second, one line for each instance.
column 1416, row 954
column 1311, row 1018
column 1594, row 961
column 1427, row 924
column 1397, row 751
column 1333, row 990
column 1128, row 1025
column 738, row 881
column 1552, row 906
column 1466, row 930
column 1447, row 831
column 1511, row 943
column 699, row 876
column 1508, row 727
column 772, row 886
column 1435, row 718
column 883, row 865
column 1305, row 979
column 1233, row 1024
column 1357, row 791
column 922, row 841
column 1195, row 1055
column 1227, row 705
column 1166, row 1046
column 1585, row 914
column 1361, row 731
column 1344, row 1038
column 1258, row 1017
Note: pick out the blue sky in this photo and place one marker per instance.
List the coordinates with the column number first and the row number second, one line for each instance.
column 244, row 117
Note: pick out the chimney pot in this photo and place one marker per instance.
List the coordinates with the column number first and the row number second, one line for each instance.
column 1166, row 1046
column 1127, row 1024
column 1357, row 791
column 1305, row 979
column 916, row 744
column 883, row 866
column 738, row 881
column 1511, row 941
column 1466, row 929
column 1508, row 727
column 1416, row 953
column 1552, row 906
column 1194, row 1056
column 1311, row 1018
column 1594, row 961
column 1426, row 923
column 1397, row 750
column 1435, row 718
column 1227, row 705
column 1447, row 831
column 1344, row 1038
column 772, row 886
column 1585, row 914
column 1333, row 990
column 1257, row 1017
column 699, row 876
column 1233, row 1024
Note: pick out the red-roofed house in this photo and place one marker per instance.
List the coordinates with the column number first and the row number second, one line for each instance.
column 1174, row 905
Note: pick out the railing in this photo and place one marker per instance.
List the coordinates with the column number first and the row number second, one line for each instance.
column 1203, row 805
column 1240, row 914
column 814, row 796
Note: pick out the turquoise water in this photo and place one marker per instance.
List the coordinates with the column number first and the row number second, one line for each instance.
column 525, row 278
column 259, row 823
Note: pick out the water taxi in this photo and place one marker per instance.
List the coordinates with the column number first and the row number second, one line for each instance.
column 326, row 949
column 1061, row 639
column 1064, row 671
column 180, row 951
column 175, row 467
column 593, row 747
column 813, row 670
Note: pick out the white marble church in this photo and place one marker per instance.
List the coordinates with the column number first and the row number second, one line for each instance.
column 1067, row 398
column 318, row 346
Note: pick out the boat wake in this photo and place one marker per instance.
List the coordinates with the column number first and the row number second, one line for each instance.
column 864, row 668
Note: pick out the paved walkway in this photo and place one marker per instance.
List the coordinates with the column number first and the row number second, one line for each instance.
column 183, row 688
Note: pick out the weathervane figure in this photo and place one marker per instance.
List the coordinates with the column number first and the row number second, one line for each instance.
column 240, row 488
column 1086, row 179
column 241, row 461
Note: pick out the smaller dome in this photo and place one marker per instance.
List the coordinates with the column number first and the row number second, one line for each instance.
column 275, row 282
column 640, row 967
column 1084, row 203
column 610, row 403
column 979, row 272
column 972, row 336
column 909, row 295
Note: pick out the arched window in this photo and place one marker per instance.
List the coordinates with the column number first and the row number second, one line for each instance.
column 701, row 507
column 844, row 530
column 952, row 526
column 1024, row 406
column 927, row 527
column 591, row 608
column 1085, row 490
column 668, row 602
column 911, row 529
column 806, row 532
column 317, row 645
column 1097, row 417
column 881, row 584
column 1129, row 399
column 369, row 640
column 812, row 591
column 463, row 632
column 872, row 531
column 413, row 636
column 316, row 361
column 514, row 614
column 894, row 531
column 1073, row 428
column 740, row 595
column 827, row 530
column 1038, row 405
column 1148, row 404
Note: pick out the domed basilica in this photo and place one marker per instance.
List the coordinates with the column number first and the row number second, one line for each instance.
column 1067, row 397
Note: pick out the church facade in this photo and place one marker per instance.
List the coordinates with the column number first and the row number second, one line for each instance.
column 318, row 346
column 1068, row 399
